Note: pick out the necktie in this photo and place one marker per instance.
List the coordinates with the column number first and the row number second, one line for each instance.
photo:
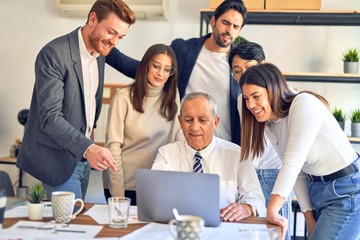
column 197, row 166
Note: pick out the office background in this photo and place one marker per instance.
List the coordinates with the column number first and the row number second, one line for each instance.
column 26, row 26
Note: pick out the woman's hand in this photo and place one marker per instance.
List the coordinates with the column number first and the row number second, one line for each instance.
column 235, row 212
column 275, row 218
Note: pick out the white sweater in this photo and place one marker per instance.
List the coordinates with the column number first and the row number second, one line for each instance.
column 308, row 141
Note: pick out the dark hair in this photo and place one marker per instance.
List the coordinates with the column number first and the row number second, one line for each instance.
column 102, row 8
column 248, row 51
column 280, row 95
column 226, row 5
column 139, row 89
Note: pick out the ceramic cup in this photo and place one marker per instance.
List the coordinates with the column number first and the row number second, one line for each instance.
column 118, row 211
column 63, row 206
column 188, row 227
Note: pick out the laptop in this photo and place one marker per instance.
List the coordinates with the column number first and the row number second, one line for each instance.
column 158, row 192
column 13, row 202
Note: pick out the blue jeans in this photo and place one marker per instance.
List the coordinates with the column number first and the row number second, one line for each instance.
column 77, row 183
column 337, row 207
column 267, row 178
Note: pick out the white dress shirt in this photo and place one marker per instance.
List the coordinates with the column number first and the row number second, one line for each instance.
column 90, row 73
column 238, row 180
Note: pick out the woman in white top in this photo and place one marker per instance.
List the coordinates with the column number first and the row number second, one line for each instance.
column 142, row 118
column 318, row 160
column 244, row 56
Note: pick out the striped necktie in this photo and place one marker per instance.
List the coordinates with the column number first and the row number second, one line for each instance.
column 197, row 166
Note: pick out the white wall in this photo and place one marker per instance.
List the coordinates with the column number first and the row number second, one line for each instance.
column 26, row 26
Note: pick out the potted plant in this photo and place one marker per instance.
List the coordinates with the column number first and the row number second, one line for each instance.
column 36, row 205
column 355, row 123
column 351, row 61
column 340, row 116
column 239, row 40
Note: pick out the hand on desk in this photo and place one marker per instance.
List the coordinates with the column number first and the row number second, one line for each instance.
column 235, row 212
column 100, row 158
column 276, row 219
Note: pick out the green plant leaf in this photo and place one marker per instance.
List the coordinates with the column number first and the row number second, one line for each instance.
column 351, row 55
column 355, row 116
column 36, row 193
column 339, row 114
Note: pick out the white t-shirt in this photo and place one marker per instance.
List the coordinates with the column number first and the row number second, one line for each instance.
column 211, row 74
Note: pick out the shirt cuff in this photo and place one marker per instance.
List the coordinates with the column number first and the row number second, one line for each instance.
column 254, row 211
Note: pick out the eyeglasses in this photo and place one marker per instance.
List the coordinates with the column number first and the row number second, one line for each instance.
column 156, row 67
column 236, row 74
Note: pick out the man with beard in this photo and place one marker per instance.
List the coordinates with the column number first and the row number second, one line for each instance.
column 57, row 148
column 202, row 65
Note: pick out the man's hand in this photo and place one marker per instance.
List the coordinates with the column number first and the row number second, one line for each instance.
column 235, row 212
column 100, row 158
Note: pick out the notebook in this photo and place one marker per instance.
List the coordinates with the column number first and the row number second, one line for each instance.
column 158, row 192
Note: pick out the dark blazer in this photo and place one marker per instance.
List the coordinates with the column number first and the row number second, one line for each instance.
column 187, row 52
column 54, row 139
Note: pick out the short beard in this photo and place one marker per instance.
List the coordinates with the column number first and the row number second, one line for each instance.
column 95, row 42
column 220, row 43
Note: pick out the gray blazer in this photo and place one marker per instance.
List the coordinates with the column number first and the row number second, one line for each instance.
column 54, row 139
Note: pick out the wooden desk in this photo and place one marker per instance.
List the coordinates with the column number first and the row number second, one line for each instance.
column 8, row 160
column 106, row 231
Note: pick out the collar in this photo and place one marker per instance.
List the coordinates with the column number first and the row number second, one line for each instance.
column 205, row 153
column 83, row 51
column 154, row 91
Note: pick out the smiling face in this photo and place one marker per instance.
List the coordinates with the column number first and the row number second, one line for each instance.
column 257, row 101
column 227, row 28
column 160, row 68
column 104, row 35
column 198, row 122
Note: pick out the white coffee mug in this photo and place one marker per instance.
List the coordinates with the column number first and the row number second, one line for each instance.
column 63, row 206
column 188, row 227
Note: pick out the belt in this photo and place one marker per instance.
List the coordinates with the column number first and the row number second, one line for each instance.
column 339, row 174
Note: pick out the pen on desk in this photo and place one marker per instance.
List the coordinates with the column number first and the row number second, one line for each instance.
column 28, row 227
column 68, row 230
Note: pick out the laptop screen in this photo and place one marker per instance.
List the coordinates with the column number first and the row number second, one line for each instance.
column 158, row 192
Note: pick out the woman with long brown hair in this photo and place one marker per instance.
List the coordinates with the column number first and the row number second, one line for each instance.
column 142, row 118
column 318, row 160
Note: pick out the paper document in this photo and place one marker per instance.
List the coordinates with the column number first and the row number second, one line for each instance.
column 100, row 213
column 226, row 231
column 34, row 230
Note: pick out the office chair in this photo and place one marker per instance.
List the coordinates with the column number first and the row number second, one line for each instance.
column 6, row 184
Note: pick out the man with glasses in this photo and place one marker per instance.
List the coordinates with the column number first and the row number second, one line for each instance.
column 202, row 65
column 57, row 147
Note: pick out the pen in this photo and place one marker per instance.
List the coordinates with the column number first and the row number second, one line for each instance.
column 73, row 231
